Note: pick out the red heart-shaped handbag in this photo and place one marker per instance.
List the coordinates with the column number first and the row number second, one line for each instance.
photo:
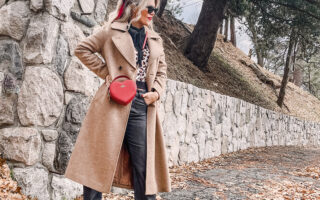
column 122, row 92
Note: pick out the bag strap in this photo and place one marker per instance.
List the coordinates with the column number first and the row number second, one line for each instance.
column 120, row 77
column 145, row 39
column 144, row 43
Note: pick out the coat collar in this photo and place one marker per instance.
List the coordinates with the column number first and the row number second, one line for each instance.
column 124, row 43
column 123, row 26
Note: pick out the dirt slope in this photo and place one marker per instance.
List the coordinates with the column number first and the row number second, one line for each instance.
column 228, row 75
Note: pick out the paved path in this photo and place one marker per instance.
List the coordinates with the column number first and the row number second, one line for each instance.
column 256, row 173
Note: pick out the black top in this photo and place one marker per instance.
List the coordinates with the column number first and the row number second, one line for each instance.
column 138, row 35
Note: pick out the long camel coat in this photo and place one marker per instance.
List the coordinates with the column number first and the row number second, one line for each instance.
column 99, row 159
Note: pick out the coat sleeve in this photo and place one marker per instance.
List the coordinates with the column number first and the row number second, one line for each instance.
column 86, row 50
column 160, row 80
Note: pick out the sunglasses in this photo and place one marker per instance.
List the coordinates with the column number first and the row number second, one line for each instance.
column 151, row 8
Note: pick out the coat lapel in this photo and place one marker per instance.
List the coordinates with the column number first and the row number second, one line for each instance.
column 125, row 46
column 124, row 43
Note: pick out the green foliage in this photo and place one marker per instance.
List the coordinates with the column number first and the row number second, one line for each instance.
column 269, row 24
column 238, row 7
column 311, row 70
column 175, row 7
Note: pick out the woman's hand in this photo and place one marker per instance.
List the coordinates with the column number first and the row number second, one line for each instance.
column 150, row 97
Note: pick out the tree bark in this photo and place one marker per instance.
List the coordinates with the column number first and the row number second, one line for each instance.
column 233, row 31
column 287, row 68
column 221, row 28
column 163, row 4
column 309, row 76
column 260, row 58
column 226, row 28
column 202, row 40
column 255, row 41
column 298, row 77
column 250, row 53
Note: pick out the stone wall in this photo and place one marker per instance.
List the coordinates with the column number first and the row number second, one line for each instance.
column 44, row 89
column 45, row 92
column 200, row 124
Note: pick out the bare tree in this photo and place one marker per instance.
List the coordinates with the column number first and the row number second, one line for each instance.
column 289, row 59
column 298, row 77
column 226, row 28
column 233, row 31
column 163, row 4
column 201, row 42
column 221, row 28
column 174, row 6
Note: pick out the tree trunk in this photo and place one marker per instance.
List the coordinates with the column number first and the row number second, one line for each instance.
column 255, row 41
column 233, row 31
column 221, row 28
column 296, row 72
column 260, row 58
column 250, row 53
column 309, row 76
column 163, row 4
column 201, row 42
column 298, row 77
column 226, row 28
column 286, row 69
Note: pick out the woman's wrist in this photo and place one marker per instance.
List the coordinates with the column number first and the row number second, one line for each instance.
column 156, row 94
column 155, row 91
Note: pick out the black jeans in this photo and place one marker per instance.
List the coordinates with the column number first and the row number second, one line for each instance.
column 135, row 141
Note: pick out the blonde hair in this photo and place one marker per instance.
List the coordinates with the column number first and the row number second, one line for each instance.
column 128, row 12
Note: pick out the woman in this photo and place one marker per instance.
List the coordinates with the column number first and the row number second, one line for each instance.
column 121, row 145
